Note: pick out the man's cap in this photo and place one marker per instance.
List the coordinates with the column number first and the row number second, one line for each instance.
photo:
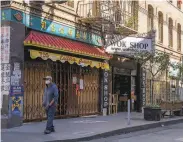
column 47, row 77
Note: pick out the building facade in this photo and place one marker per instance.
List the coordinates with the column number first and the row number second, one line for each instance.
column 166, row 18
column 66, row 40
column 47, row 38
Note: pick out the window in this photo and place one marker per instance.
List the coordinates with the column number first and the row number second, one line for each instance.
column 117, row 11
column 179, row 2
column 96, row 8
column 135, row 6
column 150, row 20
column 170, row 32
column 160, row 26
column 70, row 3
column 178, row 37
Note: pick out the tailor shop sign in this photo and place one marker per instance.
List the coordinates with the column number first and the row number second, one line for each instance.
column 130, row 46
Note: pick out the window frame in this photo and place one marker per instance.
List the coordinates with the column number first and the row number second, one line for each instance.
column 170, row 31
column 160, row 26
column 179, row 37
column 150, row 19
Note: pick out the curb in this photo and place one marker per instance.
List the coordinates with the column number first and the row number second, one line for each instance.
column 122, row 131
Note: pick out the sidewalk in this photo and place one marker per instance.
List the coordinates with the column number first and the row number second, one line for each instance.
column 78, row 129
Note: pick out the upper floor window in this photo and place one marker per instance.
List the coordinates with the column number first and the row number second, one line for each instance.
column 117, row 11
column 135, row 6
column 160, row 26
column 178, row 37
column 70, row 3
column 179, row 2
column 170, row 32
column 150, row 20
column 96, row 8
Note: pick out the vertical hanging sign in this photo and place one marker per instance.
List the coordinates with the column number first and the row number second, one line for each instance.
column 143, row 87
column 106, row 89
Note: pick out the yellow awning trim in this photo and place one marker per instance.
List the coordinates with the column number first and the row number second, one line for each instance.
column 63, row 58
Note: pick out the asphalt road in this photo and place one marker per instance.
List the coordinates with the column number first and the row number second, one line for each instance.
column 171, row 133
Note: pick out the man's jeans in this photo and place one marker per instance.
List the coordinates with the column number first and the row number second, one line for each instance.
column 50, row 117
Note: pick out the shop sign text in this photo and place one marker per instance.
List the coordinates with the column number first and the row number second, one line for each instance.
column 143, row 87
column 130, row 45
column 105, row 88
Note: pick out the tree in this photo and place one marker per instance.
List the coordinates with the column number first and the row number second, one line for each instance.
column 155, row 64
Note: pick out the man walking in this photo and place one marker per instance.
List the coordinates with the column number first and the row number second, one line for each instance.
column 50, row 100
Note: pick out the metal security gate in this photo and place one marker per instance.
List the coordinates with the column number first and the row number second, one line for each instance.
column 73, row 101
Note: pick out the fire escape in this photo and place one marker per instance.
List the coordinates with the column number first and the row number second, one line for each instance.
column 117, row 18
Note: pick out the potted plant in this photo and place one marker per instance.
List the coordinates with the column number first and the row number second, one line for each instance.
column 152, row 113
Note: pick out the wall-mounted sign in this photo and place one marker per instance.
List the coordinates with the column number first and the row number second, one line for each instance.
column 63, row 58
column 5, row 44
column 121, row 71
column 143, row 87
column 106, row 89
column 16, row 91
column 172, row 71
column 130, row 45
column 44, row 25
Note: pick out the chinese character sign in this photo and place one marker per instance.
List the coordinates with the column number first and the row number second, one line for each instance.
column 5, row 59
column 5, row 45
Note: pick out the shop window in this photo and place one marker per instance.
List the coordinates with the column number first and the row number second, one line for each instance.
column 160, row 26
column 170, row 32
column 178, row 37
column 150, row 20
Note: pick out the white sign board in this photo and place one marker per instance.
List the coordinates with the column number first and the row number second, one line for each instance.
column 5, row 59
column 173, row 72
column 5, row 45
column 130, row 46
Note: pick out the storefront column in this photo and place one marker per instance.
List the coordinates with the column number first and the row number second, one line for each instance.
column 12, row 105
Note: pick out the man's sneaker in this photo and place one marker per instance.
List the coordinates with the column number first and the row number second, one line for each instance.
column 47, row 131
column 52, row 129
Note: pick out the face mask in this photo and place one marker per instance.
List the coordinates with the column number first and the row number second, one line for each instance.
column 47, row 81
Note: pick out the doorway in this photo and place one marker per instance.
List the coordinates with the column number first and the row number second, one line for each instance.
column 122, row 86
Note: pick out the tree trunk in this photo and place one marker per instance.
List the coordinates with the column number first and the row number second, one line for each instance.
column 153, row 91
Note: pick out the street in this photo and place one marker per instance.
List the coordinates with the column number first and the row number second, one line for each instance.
column 171, row 133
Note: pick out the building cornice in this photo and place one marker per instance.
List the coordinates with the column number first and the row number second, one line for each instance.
column 168, row 49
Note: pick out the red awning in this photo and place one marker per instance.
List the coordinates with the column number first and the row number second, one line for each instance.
column 47, row 41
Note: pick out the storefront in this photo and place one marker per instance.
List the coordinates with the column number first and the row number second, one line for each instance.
column 123, row 72
column 73, row 57
column 126, row 76
column 75, row 68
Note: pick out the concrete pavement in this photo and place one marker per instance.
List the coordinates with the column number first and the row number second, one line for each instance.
column 171, row 133
column 79, row 129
